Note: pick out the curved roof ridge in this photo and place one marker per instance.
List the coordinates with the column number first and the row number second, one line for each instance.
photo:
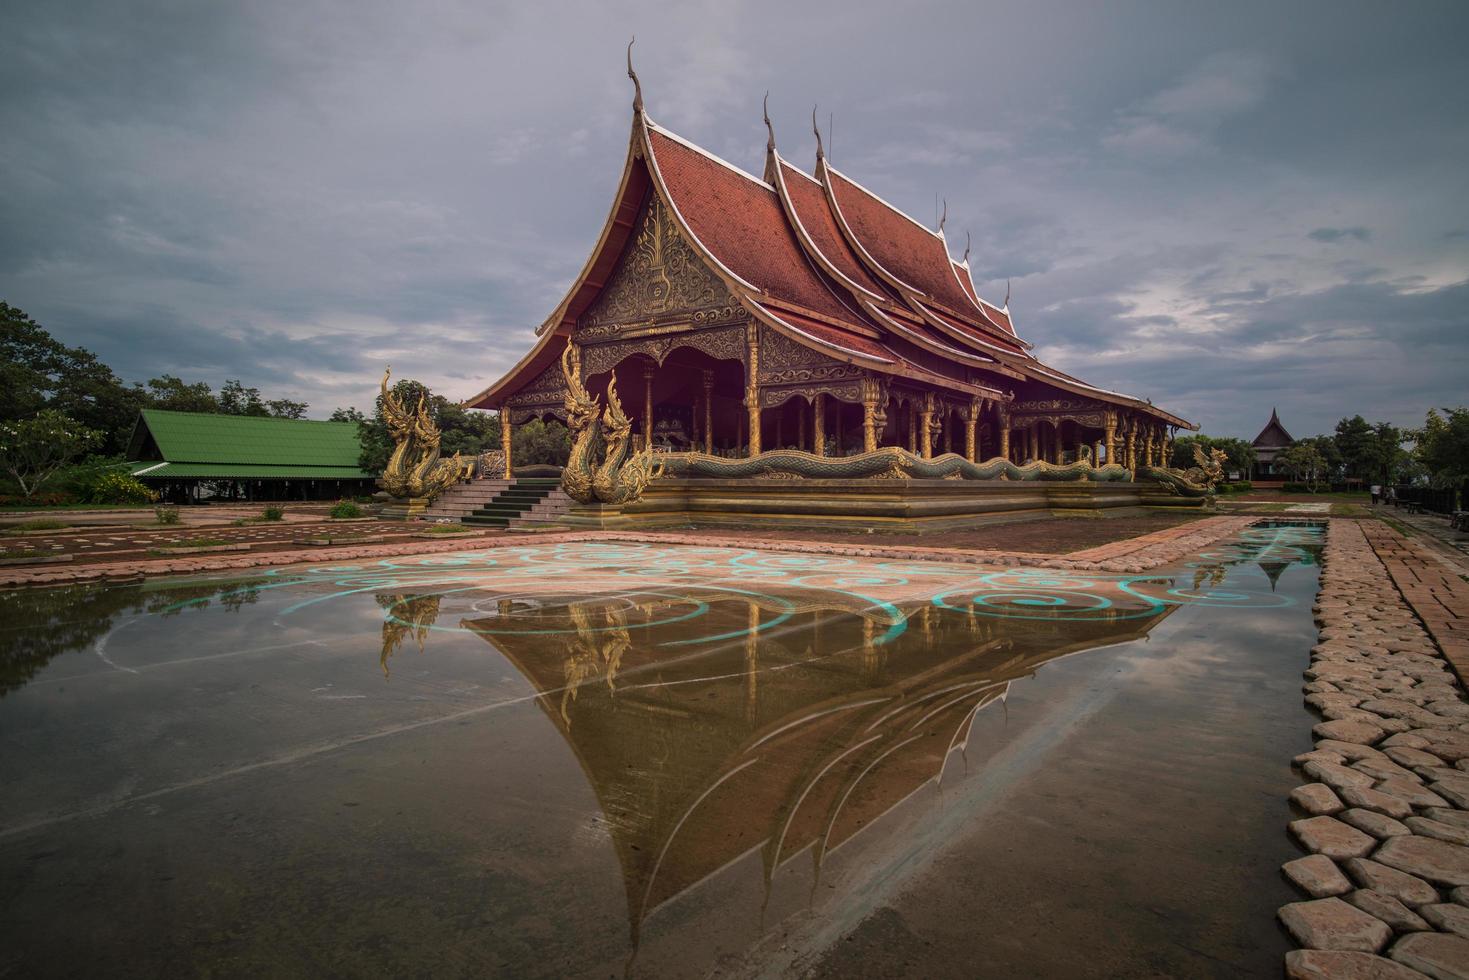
column 705, row 153
column 886, row 203
column 851, row 236
column 808, row 243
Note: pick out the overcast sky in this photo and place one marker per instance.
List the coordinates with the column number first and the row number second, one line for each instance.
column 1221, row 206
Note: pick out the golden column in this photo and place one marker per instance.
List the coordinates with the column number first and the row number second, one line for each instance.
column 709, row 411
column 1129, row 453
column 1109, row 435
column 971, row 419
column 818, row 424
column 1149, row 453
column 871, row 392
column 648, row 370
column 507, row 437
column 1002, row 419
column 752, row 385
column 926, row 424
column 912, row 428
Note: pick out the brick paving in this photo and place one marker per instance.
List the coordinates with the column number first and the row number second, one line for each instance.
column 1438, row 594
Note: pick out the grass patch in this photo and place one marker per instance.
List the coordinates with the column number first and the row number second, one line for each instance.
column 448, row 529
column 10, row 508
column 42, row 524
column 273, row 512
column 345, row 508
column 1350, row 510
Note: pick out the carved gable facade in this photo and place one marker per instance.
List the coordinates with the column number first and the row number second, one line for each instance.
column 659, row 281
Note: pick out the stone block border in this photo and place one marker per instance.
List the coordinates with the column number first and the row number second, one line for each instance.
column 1387, row 809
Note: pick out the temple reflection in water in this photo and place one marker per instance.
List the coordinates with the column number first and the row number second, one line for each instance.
column 786, row 740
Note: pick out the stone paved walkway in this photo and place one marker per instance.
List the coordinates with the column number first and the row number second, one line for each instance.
column 1438, row 594
column 1132, row 555
column 1385, row 815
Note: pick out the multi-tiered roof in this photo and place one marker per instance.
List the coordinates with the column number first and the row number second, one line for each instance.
column 822, row 260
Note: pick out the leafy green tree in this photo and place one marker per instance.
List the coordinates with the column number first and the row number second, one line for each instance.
column 1442, row 446
column 461, row 430
column 37, row 371
column 285, row 408
column 1354, row 445
column 348, row 414
column 538, row 442
column 32, row 450
column 1305, row 463
column 174, row 395
column 1239, row 454
column 1385, row 457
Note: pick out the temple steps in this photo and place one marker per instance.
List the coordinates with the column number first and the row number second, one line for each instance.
column 461, row 500
column 514, row 501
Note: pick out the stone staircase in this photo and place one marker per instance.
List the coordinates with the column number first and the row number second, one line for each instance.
column 546, row 510
column 517, row 501
column 461, row 500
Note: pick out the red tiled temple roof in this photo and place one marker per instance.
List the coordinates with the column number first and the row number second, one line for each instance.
column 821, row 259
column 907, row 250
column 739, row 220
column 812, row 209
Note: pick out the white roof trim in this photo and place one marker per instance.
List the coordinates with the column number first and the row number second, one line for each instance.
column 856, row 242
column 705, row 153
column 149, row 469
column 885, row 203
column 662, row 187
column 809, row 242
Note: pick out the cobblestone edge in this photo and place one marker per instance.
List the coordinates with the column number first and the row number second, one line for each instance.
column 1384, row 814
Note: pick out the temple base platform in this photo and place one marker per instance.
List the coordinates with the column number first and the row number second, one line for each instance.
column 404, row 508
column 892, row 505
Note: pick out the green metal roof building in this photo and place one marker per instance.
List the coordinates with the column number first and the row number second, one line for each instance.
column 266, row 458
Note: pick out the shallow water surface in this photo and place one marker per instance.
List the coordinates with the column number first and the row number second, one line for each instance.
column 608, row 759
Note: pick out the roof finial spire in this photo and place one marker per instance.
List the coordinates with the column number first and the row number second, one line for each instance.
column 944, row 217
column 820, row 152
column 770, row 139
column 1006, row 305
column 965, row 260
column 637, row 86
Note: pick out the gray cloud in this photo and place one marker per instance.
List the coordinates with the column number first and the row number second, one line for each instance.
column 277, row 192
column 1358, row 233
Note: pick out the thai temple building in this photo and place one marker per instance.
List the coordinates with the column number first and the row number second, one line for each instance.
column 738, row 314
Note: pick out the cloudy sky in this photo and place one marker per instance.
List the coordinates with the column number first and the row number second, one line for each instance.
column 1222, row 206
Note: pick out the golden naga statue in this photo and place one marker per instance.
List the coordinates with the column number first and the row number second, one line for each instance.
column 414, row 468
column 622, row 475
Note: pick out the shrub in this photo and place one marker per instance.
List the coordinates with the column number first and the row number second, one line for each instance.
column 54, row 499
column 43, row 524
column 166, row 515
column 346, row 508
column 1296, row 488
column 113, row 487
column 273, row 512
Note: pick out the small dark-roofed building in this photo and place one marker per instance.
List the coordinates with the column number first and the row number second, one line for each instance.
column 186, row 455
column 1272, row 440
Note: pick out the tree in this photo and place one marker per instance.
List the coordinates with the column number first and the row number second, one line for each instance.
column 172, row 394
column 1354, row 445
column 37, row 371
column 1304, row 462
column 538, row 442
column 347, row 415
column 284, row 408
column 1442, row 446
column 32, row 450
column 1385, row 455
column 1239, row 455
column 461, row 430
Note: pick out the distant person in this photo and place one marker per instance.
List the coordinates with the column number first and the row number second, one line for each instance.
column 1376, row 492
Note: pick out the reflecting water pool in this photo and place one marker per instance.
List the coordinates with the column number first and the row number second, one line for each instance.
column 593, row 759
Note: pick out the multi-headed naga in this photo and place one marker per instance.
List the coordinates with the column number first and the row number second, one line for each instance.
column 414, row 468
column 623, row 474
